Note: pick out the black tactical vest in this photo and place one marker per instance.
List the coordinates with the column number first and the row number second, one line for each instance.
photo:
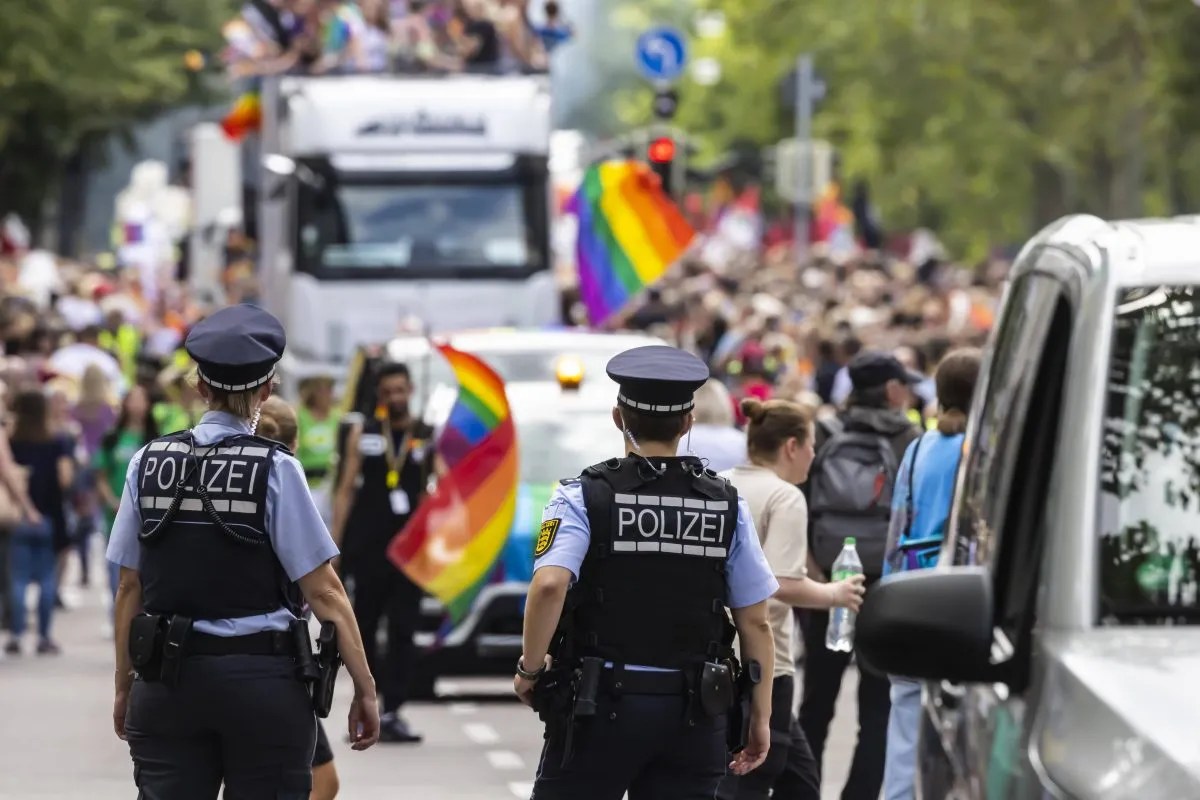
column 205, row 549
column 372, row 524
column 652, row 589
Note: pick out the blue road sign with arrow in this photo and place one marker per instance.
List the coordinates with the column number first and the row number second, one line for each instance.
column 661, row 54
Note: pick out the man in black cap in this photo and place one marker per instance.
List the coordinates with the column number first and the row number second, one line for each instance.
column 849, row 494
column 219, row 541
column 627, row 646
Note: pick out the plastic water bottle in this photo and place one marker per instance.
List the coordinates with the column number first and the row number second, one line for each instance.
column 840, row 633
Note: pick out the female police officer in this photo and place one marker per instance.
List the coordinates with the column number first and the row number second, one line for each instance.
column 215, row 529
column 653, row 549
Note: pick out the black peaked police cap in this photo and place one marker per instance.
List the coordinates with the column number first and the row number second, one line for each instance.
column 657, row 380
column 236, row 348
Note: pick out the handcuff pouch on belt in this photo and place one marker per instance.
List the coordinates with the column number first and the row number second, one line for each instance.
column 156, row 646
column 716, row 688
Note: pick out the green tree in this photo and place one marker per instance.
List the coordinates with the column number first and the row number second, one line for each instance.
column 74, row 71
column 984, row 119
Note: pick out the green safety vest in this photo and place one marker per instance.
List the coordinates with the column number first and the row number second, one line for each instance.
column 915, row 417
column 171, row 418
column 317, row 443
column 125, row 346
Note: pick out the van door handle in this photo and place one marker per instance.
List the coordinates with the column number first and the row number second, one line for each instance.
column 950, row 695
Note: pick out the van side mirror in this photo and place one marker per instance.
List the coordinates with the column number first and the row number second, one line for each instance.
column 930, row 624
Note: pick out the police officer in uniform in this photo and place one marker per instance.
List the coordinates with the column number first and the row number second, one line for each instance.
column 626, row 650
column 219, row 543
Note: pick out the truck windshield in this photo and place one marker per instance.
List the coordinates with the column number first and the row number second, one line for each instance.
column 1150, row 468
column 390, row 227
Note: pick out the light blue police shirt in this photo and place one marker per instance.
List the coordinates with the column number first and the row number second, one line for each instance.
column 298, row 534
column 750, row 578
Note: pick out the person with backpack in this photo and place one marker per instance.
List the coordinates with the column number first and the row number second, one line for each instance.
column 920, row 511
column 850, row 494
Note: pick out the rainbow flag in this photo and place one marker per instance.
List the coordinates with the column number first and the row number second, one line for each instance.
column 244, row 117
column 450, row 545
column 630, row 233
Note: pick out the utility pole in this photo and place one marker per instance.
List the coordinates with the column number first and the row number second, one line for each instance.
column 804, row 109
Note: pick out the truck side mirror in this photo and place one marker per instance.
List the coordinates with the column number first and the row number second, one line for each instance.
column 930, row 624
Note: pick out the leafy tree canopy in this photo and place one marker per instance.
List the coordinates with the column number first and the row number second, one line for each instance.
column 73, row 71
column 985, row 119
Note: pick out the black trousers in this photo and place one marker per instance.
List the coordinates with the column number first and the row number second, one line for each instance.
column 790, row 769
column 640, row 744
column 245, row 721
column 382, row 590
column 823, row 672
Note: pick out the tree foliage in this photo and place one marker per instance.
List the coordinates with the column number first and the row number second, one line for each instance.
column 985, row 119
column 72, row 71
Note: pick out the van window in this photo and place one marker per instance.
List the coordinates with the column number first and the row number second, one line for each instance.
column 1149, row 516
column 1002, row 399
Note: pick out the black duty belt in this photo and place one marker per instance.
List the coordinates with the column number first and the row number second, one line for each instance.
column 639, row 682
column 266, row 643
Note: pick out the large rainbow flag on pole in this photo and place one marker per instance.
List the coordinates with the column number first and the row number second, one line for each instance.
column 452, row 542
column 630, row 233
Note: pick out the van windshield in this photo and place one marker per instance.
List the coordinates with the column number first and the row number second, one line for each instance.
column 1149, row 516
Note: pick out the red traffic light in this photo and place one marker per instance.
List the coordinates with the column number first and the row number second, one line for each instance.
column 661, row 151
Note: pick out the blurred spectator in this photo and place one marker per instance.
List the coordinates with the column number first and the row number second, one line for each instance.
column 474, row 36
column 376, row 48
column 134, row 427
column 713, row 436
column 554, row 31
column 17, row 508
column 271, row 37
column 49, row 465
column 74, row 359
column 94, row 416
column 842, row 385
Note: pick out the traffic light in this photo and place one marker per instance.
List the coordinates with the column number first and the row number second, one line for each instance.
column 666, row 101
column 661, row 154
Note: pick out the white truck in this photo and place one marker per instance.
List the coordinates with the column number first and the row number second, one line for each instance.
column 388, row 202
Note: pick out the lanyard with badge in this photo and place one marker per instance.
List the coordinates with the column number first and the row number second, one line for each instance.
column 397, row 497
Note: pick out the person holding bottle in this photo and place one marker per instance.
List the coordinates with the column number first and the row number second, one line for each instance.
column 848, row 492
column 920, row 511
column 779, row 441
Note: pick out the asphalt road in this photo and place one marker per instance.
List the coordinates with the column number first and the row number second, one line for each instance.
column 56, row 741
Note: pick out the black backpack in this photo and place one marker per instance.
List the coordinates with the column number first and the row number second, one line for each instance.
column 850, row 494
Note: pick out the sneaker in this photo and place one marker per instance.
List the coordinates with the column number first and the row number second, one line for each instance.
column 394, row 728
column 48, row 648
column 13, row 648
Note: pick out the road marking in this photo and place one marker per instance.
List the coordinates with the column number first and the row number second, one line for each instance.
column 462, row 709
column 481, row 733
column 505, row 759
column 522, row 790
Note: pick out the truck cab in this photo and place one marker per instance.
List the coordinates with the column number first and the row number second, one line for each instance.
column 1058, row 639
column 386, row 199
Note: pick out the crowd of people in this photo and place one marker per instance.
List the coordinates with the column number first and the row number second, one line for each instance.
column 315, row 37
column 770, row 330
column 90, row 373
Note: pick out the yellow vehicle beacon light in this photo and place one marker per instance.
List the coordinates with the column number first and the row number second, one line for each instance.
column 569, row 371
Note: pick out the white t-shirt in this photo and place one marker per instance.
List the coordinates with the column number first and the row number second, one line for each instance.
column 781, row 518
